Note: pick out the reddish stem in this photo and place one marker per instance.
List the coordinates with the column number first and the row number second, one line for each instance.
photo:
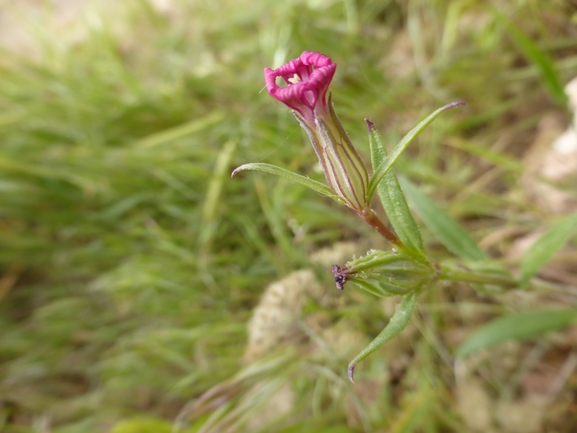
column 373, row 220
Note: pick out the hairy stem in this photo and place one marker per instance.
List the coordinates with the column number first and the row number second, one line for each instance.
column 373, row 220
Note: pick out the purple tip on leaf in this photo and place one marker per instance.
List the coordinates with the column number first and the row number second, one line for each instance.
column 455, row 104
column 351, row 371
column 370, row 125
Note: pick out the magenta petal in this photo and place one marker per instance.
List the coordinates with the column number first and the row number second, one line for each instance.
column 307, row 81
column 270, row 80
column 315, row 59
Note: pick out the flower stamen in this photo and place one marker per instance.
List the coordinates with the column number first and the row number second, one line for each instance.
column 295, row 79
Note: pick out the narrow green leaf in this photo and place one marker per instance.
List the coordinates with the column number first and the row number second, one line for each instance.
column 392, row 196
column 546, row 247
column 534, row 54
column 450, row 233
column 388, row 162
column 281, row 172
column 520, row 326
column 181, row 131
column 398, row 322
column 213, row 197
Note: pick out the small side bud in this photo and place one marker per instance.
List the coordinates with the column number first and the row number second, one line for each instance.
column 388, row 273
column 341, row 276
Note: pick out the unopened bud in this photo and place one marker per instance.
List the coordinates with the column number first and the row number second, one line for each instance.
column 386, row 274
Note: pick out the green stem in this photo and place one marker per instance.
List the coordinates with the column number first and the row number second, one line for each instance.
column 456, row 273
column 545, row 286
column 471, row 276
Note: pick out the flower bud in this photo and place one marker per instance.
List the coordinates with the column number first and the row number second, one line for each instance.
column 384, row 273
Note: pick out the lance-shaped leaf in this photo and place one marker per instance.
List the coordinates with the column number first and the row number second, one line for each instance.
column 388, row 162
column 392, row 196
column 546, row 247
column 520, row 326
column 450, row 233
column 401, row 317
column 287, row 174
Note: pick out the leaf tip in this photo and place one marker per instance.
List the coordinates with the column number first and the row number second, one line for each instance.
column 454, row 104
column 370, row 126
column 351, row 371
column 235, row 172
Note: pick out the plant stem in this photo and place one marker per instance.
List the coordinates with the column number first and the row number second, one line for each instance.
column 470, row 276
column 373, row 220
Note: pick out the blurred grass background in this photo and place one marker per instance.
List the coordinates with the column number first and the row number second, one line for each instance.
column 131, row 262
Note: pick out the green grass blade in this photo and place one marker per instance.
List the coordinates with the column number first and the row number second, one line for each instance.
column 521, row 326
column 209, row 217
column 546, row 247
column 534, row 54
column 398, row 322
column 392, row 196
column 498, row 159
column 450, row 233
column 181, row 131
column 281, row 172
column 387, row 163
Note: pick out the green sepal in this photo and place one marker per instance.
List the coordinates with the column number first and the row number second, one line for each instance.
column 380, row 288
column 373, row 260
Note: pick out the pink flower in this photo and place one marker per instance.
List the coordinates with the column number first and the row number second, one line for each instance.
column 307, row 80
